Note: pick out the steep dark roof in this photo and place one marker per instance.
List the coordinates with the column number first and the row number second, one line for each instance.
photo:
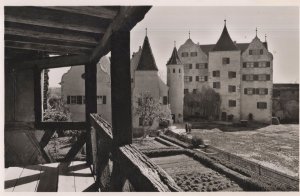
column 174, row 59
column 225, row 43
column 240, row 46
column 147, row 61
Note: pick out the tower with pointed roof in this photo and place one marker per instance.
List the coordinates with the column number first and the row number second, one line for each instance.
column 146, row 79
column 175, row 74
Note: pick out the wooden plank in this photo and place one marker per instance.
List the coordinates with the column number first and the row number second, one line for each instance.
column 43, row 17
column 96, row 11
column 78, row 38
column 47, row 47
column 90, row 104
column 66, row 180
column 48, row 181
column 46, row 138
column 121, row 88
column 28, row 179
column 47, row 41
column 84, row 180
column 12, row 175
column 50, row 62
column 126, row 19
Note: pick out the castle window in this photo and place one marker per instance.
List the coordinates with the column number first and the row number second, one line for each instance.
column 255, row 64
column 268, row 64
column 205, row 78
column 73, row 99
column 186, row 91
column 186, row 66
column 194, row 91
column 191, row 78
column 102, row 100
column 216, row 73
column 232, row 103
column 250, row 52
column 173, row 70
column 249, row 91
column 205, row 65
column 197, row 78
column 165, row 100
column 68, row 99
column 184, row 54
column 216, row 85
column 248, row 77
column 225, row 60
column 197, row 66
column 193, row 53
column 186, row 78
column 202, row 78
column 261, row 64
column 191, row 66
column 262, row 105
column 231, row 88
column 261, row 91
column 179, row 70
column 231, row 74
column 79, row 100
column 262, row 77
column 261, row 51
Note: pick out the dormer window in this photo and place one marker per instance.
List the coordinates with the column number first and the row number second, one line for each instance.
column 184, row 54
column 193, row 53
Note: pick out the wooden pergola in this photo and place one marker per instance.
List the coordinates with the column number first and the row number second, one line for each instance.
column 38, row 38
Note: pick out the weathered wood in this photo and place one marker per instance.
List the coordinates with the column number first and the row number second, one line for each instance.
column 96, row 11
column 47, row 47
column 125, row 20
column 50, row 62
column 48, row 180
column 28, row 179
column 61, row 126
column 44, row 17
column 143, row 174
column 75, row 148
column 66, row 178
column 12, row 175
column 78, row 38
column 46, row 138
column 121, row 88
column 117, row 179
column 90, row 104
column 102, row 127
column 37, row 95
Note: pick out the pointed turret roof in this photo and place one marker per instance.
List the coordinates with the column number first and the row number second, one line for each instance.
column 174, row 59
column 147, row 61
column 225, row 43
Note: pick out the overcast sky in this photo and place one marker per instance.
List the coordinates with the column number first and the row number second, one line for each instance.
column 168, row 24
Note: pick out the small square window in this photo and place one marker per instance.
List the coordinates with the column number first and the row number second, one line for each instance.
column 191, row 78
column 232, row 103
column 261, row 51
column 225, row 60
column 79, row 100
column 185, row 54
column 216, row 85
column 191, row 66
column 73, row 99
column 250, row 52
column 197, row 66
column 261, row 105
column 193, row 53
column 186, row 91
column 165, row 100
column 197, row 78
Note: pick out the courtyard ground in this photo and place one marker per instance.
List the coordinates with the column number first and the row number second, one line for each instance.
column 274, row 146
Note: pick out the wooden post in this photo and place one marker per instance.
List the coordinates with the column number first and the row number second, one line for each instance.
column 90, row 104
column 121, row 88
column 120, row 100
column 37, row 95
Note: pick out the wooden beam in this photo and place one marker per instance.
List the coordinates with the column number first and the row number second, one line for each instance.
column 50, row 62
column 121, row 88
column 46, row 138
column 90, row 104
column 39, row 16
column 47, row 47
column 126, row 19
column 75, row 148
column 96, row 11
column 60, row 126
column 47, row 41
column 77, row 38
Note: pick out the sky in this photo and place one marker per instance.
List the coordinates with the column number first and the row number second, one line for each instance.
column 167, row 24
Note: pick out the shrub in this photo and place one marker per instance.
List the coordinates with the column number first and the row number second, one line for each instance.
column 196, row 141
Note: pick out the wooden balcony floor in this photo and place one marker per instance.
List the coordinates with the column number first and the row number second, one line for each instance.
column 75, row 176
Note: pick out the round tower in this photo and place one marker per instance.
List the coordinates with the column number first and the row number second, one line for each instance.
column 175, row 75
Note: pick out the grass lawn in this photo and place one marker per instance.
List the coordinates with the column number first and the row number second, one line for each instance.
column 274, row 146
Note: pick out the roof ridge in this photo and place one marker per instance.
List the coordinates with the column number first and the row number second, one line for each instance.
column 147, row 60
column 174, row 59
column 225, row 42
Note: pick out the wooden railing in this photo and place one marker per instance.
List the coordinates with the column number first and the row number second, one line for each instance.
column 124, row 168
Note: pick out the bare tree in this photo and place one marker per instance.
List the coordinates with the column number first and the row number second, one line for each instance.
column 149, row 109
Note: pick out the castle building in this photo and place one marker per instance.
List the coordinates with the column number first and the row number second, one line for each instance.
column 242, row 73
